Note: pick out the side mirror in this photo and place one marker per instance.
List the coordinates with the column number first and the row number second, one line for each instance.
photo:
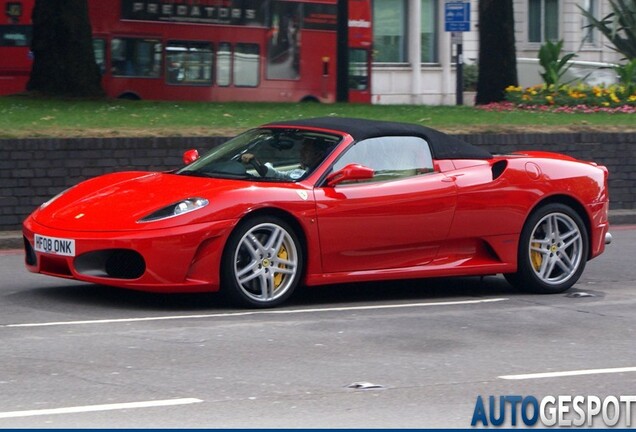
column 190, row 156
column 350, row 172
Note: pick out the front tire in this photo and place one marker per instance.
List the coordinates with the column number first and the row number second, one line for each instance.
column 262, row 262
column 553, row 250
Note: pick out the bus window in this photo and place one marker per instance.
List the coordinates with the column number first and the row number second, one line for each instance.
column 246, row 65
column 15, row 35
column 223, row 64
column 136, row 57
column 189, row 63
column 358, row 69
column 99, row 48
column 283, row 41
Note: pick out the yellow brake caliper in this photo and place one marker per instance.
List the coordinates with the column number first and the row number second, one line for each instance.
column 282, row 254
column 535, row 257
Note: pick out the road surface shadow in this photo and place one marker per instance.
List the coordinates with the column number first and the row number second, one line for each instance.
column 89, row 296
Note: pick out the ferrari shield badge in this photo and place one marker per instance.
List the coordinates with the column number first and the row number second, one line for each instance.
column 302, row 194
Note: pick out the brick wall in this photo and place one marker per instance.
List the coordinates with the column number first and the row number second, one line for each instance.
column 33, row 170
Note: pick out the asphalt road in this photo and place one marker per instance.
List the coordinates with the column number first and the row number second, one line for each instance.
column 79, row 355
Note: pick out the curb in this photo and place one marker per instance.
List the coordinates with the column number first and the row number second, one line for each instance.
column 13, row 239
column 622, row 217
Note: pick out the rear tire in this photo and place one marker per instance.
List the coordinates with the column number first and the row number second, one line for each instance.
column 553, row 250
column 129, row 96
column 262, row 263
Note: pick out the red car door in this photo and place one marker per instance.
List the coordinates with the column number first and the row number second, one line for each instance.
column 396, row 219
column 389, row 224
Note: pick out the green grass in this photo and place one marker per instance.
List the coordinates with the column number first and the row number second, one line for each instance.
column 22, row 116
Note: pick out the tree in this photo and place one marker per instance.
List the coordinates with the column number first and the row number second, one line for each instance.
column 497, row 52
column 64, row 61
column 619, row 26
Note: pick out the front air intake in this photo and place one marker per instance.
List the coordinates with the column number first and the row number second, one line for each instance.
column 111, row 263
column 125, row 264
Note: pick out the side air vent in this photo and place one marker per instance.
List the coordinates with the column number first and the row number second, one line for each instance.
column 498, row 168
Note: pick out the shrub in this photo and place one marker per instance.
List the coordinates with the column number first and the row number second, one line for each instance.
column 627, row 76
column 470, row 76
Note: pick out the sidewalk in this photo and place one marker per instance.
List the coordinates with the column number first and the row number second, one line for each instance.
column 13, row 239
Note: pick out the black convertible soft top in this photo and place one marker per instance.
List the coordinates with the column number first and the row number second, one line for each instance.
column 443, row 146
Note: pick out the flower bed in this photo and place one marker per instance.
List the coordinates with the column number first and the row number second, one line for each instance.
column 579, row 98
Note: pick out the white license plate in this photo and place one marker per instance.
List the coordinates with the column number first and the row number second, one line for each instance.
column 56, row 246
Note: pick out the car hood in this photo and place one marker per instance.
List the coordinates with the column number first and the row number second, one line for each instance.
column 118, row 201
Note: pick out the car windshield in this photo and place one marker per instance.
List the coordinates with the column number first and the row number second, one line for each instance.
column 267, row 154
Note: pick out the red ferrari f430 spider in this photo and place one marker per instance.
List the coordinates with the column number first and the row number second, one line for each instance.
column 327, row 201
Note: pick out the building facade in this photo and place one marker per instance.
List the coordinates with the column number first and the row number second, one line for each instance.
column 414, row 57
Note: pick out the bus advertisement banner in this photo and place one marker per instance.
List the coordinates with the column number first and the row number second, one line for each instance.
column 226, row 12
column 254, row 13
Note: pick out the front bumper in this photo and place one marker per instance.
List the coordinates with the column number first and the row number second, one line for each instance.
column 178, row 259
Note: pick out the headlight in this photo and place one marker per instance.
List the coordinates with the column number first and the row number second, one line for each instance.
column 176, row 209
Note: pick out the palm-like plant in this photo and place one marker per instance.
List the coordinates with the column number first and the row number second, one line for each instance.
column 619, row 26
column 554, row 66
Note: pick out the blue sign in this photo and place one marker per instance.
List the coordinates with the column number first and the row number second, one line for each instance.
column 457, row 17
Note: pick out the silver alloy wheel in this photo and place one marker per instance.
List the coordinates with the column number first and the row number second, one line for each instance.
column 265, row 262
column 555, row 248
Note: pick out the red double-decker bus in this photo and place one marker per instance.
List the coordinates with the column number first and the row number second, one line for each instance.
column 215, row 50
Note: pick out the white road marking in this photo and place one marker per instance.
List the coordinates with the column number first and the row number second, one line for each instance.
column 260, row 312
column 568, row 373
column 93, row 408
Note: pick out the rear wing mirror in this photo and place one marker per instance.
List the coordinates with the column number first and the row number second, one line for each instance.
column 190, row 156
